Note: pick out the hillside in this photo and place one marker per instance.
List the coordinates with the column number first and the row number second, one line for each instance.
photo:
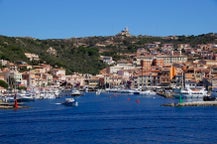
column 83, row 54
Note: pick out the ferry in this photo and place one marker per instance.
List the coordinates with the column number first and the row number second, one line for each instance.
column 189, row 92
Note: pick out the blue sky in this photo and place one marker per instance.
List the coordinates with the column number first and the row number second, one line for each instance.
column 46, row 19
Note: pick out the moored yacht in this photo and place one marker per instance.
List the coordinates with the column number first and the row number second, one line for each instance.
column 214, row 93
column 144, row 92
column 75, row 92
column 212, row 96
column 148, row 92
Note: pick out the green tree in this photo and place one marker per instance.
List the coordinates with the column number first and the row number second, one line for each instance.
column 3, row 84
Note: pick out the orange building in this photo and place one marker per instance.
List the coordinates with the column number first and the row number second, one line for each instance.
column 172, row 72
column 159, row 62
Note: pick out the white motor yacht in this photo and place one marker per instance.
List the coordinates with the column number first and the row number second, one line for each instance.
column 75, row 92
column 70, row 102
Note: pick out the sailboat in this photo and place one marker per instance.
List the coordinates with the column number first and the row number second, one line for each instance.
column 98, row 91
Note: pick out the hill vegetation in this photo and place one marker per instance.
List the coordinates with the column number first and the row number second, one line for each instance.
column 83, row 54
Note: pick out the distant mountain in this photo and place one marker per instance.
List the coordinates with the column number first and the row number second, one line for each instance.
column 83, row 54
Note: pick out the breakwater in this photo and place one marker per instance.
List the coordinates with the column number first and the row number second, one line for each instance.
column 194, row 103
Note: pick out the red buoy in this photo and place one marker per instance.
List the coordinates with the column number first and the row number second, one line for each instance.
column 138, row 101
column 15, row 104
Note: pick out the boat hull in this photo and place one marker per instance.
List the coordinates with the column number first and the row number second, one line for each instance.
column 70, row 102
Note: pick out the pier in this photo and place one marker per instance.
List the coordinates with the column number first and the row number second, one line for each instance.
column 5, row 105
column 195, row 103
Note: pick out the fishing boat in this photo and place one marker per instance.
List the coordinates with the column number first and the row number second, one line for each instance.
column 70, row 102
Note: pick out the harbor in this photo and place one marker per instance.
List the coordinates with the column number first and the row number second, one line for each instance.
column 107, row 118
column 178, row 100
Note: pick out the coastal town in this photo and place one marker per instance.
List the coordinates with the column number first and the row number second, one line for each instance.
column 154, row 66
column 108, row 72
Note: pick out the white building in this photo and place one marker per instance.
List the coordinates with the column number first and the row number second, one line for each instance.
column 13, row 78
column 120, row 66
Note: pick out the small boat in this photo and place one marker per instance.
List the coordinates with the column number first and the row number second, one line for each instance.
column 19, row 98
column 75, row 92
column 146, row 92
column 212, row 96
column 70, row 102
column 25, row 98
column 209, row 98
column 214, row 93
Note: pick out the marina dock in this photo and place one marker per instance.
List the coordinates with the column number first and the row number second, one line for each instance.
column 195, row 103
column 4, row 105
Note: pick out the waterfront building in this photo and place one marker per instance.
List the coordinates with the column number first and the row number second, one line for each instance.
column 164, row 78
column 113, row 81
column 170, row 59
column 58, row 72
column 159, row 60
column 142, row 80
column 120, row 66
column 13, row 78
column 146, row 79
column 93, row 82
column 146, row 64
column 77, row 80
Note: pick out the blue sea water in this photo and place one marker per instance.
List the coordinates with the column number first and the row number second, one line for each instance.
column 108, row 119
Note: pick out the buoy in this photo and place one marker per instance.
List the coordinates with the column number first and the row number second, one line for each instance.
column 128, row 99
column 138, row 101
column 15, row 104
